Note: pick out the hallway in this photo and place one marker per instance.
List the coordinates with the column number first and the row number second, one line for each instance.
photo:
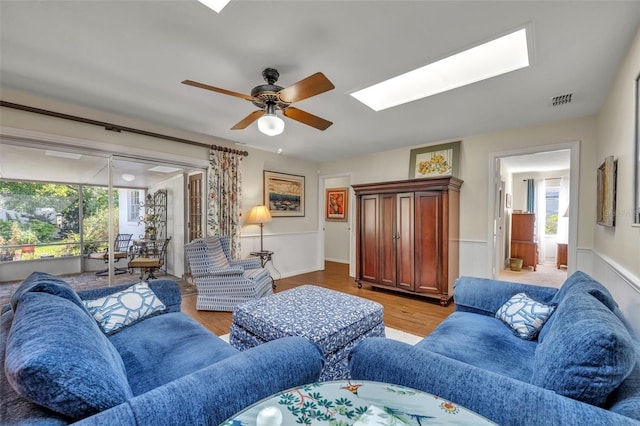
column 547, row 275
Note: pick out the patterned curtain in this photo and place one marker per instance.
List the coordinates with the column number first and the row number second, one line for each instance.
column 225, row 190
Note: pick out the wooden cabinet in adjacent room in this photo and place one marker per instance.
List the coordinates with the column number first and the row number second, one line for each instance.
column 523, row 245
column 407, row 235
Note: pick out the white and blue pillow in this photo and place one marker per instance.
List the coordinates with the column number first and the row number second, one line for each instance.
column 125, row 307
column 524, row 315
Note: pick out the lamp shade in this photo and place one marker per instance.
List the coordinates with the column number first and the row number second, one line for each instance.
column 270, row 125
column 258, row 214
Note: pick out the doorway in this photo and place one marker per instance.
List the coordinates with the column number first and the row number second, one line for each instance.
column 541, row 182
column 337, row 238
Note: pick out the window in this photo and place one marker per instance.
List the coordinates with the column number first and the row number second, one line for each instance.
column 552, row 195
column 43, row 220
column 134, row 206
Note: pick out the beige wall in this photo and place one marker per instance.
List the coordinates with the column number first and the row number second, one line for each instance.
column 616, row 136
column 475, row 153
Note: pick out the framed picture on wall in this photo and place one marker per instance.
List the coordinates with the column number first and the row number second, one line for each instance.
column 336, row 202
column 606, row 196
column 435, row 161
column 636, row 161
column 284, row 194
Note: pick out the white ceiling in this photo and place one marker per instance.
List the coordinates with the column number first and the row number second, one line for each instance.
column 129, row 57
column 46, row 165
column 538, row 162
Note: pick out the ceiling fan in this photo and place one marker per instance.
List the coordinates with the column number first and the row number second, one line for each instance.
column 271, row 97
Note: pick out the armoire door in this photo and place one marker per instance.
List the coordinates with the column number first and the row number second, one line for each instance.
column 428, row 242
column 388, row 232
column 369, row 238
column 405, row 241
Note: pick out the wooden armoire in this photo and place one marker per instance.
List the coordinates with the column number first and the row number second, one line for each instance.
column 523, row 244
column 407, row 235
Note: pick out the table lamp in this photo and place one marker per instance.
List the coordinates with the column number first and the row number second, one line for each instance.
column 259, row 215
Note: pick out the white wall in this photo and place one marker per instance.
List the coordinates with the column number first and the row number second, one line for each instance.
column 616, row 251
column 294, row 240
column 615, row 136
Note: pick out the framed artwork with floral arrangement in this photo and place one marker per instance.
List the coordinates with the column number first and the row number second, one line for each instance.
column 435, row 161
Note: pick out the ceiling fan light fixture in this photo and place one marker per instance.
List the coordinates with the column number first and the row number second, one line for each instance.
column 271, row 124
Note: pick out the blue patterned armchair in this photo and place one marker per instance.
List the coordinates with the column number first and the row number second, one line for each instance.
column 222, row 282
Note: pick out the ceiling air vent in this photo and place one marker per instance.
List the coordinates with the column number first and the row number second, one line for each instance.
column 561, row 100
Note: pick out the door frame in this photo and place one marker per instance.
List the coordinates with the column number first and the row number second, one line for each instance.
column 350, row 218
column 493, row 183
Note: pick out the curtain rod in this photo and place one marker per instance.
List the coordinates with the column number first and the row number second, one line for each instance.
column 107, row 126
column 230, row 150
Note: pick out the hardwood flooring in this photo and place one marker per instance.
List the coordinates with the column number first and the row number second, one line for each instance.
column 411, row 314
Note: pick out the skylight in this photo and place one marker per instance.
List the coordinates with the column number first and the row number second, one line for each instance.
column 496, row 57
column 61, row 154
column 215, row 5
column 164, row 169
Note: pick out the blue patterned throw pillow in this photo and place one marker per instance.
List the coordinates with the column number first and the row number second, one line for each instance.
column 524, row 315
column 123, row 308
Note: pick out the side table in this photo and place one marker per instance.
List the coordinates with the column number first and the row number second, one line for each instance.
column 358, row 402
column 264, row 256
column 561, row 255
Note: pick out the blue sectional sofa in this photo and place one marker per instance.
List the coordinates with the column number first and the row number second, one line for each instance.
column 583, row 368
column 97, row 359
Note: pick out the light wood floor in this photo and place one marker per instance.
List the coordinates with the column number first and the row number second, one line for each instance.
column 408, row 313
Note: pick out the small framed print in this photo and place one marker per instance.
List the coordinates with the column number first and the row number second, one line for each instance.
column 336, row 202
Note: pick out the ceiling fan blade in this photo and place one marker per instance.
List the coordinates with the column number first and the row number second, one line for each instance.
column 310, row 86
column 306, row 118
column 217, row 89
column 248, row 120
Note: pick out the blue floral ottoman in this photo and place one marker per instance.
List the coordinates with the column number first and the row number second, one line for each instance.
column 335, row 321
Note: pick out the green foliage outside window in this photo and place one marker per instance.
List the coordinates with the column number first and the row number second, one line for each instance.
column 38, row 213
column 551, row 224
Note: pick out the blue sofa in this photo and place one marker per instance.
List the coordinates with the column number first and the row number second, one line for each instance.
column 64, row 363
column 582, row 369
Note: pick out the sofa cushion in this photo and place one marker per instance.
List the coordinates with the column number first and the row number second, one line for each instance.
column 125, row 307
column 484, row 342
column 58, row 357
column 524, row 315
column 45, row 283
column 185, row 347
column 14, row 408
column 581, row 282
column 586, row 353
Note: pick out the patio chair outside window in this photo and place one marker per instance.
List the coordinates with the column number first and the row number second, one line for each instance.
column 120, row 251
column 153, row 261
